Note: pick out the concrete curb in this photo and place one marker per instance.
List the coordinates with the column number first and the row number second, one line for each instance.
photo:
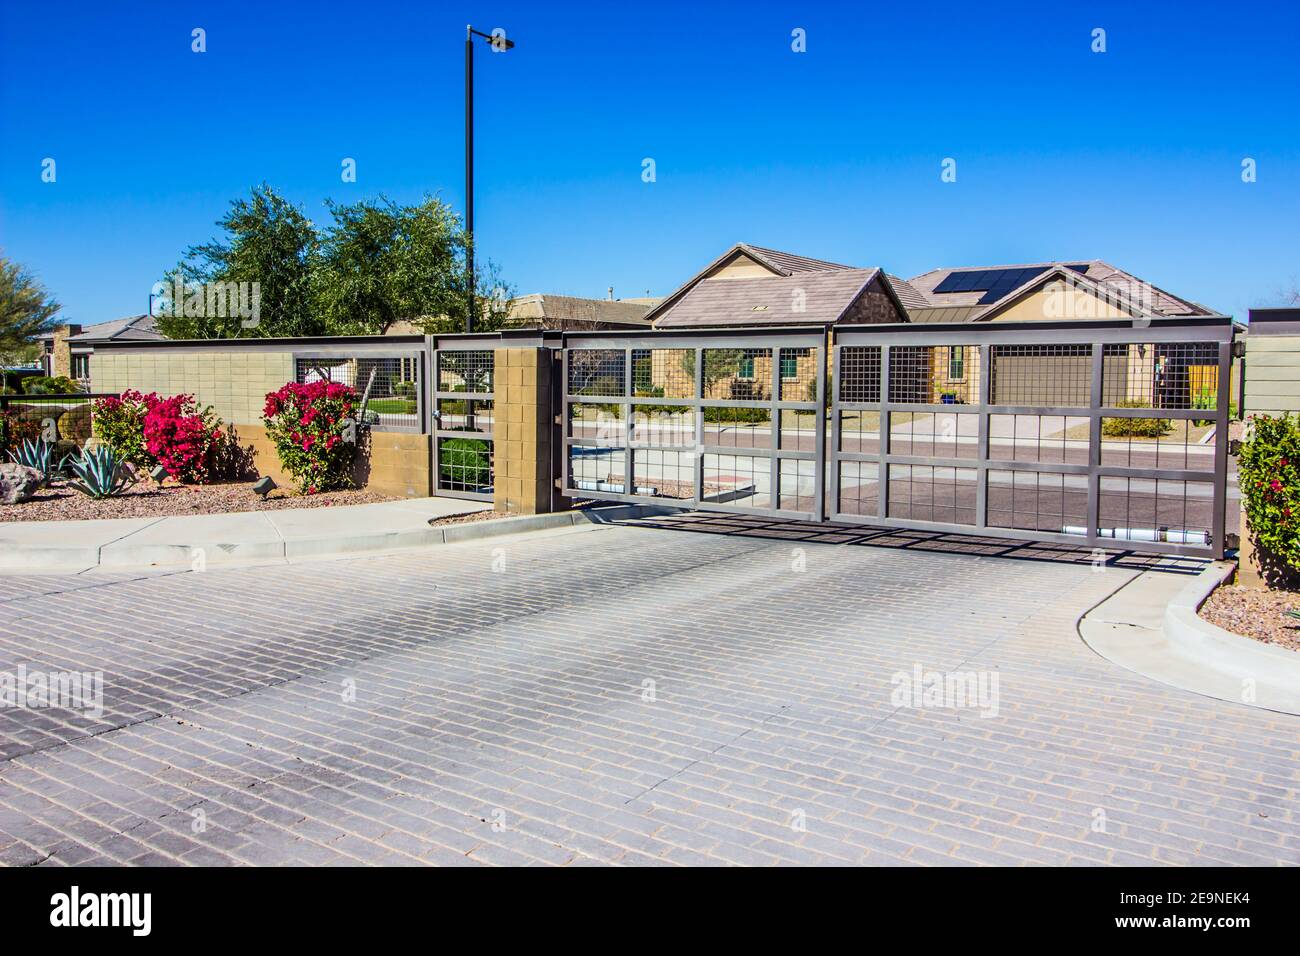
column 1151, row 626
column 1197, row 639
column 170, row 556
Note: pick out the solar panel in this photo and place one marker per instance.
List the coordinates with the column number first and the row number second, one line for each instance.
column 980, row 280
column 995, row 283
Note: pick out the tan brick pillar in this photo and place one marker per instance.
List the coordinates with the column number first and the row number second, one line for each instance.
column 61, row 359
column 522, row 430
column 1249, row 573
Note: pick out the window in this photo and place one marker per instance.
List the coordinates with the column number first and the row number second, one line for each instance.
column 81, row 366
column 789, row 366
column 956, row 362
column 746, row 367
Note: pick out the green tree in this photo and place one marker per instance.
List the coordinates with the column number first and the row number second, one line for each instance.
column 719, row 364
column 383, row 262
column 27, row 310
column 267, row 241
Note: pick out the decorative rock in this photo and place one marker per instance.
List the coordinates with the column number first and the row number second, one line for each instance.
column 18, row 483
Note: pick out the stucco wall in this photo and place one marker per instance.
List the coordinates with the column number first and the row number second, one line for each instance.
column 1272, row 374
column 740, row 267
column 1055, row 302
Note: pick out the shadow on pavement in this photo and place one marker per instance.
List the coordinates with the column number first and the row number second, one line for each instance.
column 755, row 526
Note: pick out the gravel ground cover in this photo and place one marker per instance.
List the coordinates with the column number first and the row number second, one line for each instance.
column 148, row 500
column 1256, row 613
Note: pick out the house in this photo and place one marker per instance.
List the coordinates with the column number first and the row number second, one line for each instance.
column 567, row 312
column 539, row 310
column 1056, row 291
column 68, row 349
column 753, row 286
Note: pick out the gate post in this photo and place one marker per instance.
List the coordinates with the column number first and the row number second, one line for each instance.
column 523, row 430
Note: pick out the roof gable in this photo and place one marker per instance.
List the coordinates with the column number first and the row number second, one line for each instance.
column 809, row 298
column 1104, row 296
column 133, row 327
column 767, row 262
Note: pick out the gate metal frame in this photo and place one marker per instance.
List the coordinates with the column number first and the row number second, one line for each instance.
column 437, row 346
column 1095, row 333
column 775, row 339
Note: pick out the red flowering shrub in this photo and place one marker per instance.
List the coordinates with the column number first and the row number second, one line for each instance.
column 172, row 432
column 14, row 430
column 181, row 437
column 308, row 424
column 1268, row 474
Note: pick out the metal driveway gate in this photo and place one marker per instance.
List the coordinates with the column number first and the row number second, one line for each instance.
column 1095, row 433
column 725, row 421
column 463, row 412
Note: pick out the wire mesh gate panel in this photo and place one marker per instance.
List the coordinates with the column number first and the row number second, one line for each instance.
column 720, row 421
column 464, row 416
column 1100, row 433
column 391, row 383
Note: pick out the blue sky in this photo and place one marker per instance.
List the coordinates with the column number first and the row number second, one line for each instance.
column 1132, row 155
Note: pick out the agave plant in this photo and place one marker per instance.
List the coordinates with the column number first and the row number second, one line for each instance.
column 38, row 454
column 101, row 473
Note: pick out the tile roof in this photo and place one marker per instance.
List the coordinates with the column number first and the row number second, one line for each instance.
column 909, row 296
column 768, row 300
column 569, row 308
column 132, row 327
column 761, row 300
column 790, row 263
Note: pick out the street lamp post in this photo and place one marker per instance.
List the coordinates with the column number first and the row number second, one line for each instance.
column 499, row 44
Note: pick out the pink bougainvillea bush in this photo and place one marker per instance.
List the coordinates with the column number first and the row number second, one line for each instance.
column 181, row 436
column 309, row 425
column 148, row 429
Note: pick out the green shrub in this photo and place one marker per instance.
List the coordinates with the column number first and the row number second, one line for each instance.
column 404, row 390
column 1205, row 400
column 465, row 461
column 1134, row 427
column 118, row 422
column 1268, row 475
column 49, row 385
column 738, row 415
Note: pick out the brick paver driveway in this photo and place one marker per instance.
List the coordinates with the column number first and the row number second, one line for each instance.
column 631, row 695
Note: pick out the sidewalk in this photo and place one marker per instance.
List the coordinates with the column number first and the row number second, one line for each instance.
column 226, row 538
column 1151, row 626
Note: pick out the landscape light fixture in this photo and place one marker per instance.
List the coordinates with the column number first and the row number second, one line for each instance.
column 264, row 486
column 497, row 40
column 158, row 473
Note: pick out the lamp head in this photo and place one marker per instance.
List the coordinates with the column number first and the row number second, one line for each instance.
column 264, row 486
